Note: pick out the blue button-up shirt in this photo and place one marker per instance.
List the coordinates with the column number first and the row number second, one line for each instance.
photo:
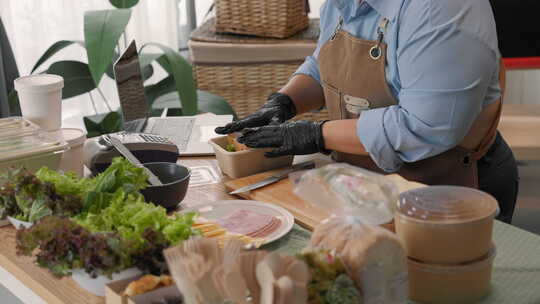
column 442, row 65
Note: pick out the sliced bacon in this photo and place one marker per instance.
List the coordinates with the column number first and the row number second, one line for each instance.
column 266, row 231
column 246, row 222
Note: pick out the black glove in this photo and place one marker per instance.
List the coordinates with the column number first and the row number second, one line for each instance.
column 277, row 109
column 293, row 138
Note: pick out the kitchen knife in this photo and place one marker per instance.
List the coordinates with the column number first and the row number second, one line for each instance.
column 153, row 179
column 275, row 178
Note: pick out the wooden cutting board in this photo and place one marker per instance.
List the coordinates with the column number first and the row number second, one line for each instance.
column 281, row 194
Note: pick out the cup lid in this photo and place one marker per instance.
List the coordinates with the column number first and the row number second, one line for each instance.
column 447, row 204
column 39, row 83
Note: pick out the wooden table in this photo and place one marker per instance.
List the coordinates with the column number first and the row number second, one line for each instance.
column 53, row 290
column 515, row 279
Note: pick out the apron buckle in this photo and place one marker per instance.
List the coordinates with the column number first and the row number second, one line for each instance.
column 356, row 105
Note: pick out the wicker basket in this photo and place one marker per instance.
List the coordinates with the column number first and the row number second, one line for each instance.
column 265, row 18
column 245, row 81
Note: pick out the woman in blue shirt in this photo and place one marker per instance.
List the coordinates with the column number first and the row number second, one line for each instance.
column 411, row 86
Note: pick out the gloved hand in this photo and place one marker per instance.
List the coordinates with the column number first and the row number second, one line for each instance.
column 293, row 138
column 277, row 109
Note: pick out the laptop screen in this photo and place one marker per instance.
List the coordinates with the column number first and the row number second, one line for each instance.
column 127, row 71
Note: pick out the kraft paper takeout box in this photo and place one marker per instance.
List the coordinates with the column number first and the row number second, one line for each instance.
column 245, row 163
column 114, row 293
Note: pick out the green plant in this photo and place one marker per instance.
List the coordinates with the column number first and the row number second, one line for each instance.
column 102, row 32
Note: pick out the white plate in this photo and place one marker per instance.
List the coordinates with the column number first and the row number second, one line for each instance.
column 221, row 209
column 19, row 224
column 97, row 285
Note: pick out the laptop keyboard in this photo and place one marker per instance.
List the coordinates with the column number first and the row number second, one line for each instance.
column 177, row 130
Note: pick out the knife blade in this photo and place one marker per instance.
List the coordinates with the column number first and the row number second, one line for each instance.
column 152, row 178
column 275, row 178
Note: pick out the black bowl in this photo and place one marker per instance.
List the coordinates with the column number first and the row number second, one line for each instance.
column 175, row 179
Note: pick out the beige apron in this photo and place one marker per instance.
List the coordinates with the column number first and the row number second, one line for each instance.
column 353, row 77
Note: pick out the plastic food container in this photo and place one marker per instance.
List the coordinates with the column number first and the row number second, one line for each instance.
column 31, row 148
column 16, row 126
column 72, row 159
column 245, row 163
column 446, row 224
column 450, row 284
column 18, row 224
column 97, row 285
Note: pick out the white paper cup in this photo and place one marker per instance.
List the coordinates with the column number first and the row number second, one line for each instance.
column 40, row 98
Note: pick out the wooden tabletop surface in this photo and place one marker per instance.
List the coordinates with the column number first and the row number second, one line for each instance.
column 53, row 290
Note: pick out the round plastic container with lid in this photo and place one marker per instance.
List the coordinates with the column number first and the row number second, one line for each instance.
column 72, row 159
column 450, row 284
column 446, row 224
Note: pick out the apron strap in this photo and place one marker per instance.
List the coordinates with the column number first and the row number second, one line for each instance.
column 488, row 140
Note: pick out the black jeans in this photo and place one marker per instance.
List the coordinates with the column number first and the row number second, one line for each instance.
column 498, row 175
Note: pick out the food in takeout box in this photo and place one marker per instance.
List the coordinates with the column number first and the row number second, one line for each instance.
column 233, row 145
column 341, row 189
column 374, row 257
column 246, row 162
column 147, row 283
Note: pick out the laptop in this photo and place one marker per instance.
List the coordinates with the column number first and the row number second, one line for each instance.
column 189, row 133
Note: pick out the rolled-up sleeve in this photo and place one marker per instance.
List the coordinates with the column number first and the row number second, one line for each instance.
column 310, row 67
column 445, row 74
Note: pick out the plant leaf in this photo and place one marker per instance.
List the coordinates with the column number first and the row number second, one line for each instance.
column 183, row 78
column 102, row 29
column 102, row 124
column 53, row 49
column 77, row 77
column 13, row 102
column 148, row 58
column 124, row 3
column 212, row 103
column 92, row 127
column 164, row 63
column 112, row 122
column 161, row 88
column 207, row 103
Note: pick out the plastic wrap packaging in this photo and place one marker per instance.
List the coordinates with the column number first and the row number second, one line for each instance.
column 374, row 257
column 342, row 189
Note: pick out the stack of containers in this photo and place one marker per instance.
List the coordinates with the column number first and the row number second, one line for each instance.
column 23, row 143
column 245, row 70
column 447, row 232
